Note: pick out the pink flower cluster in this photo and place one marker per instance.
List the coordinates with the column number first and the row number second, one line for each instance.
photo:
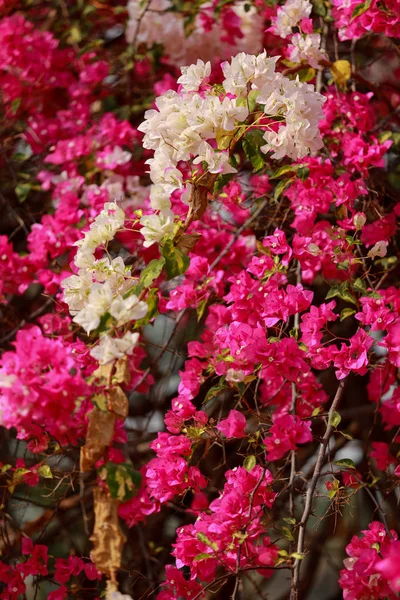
column 43, row 391
column 233, row 522
column 34, row 563
column 274, row 291
column 372, row 567
column 355, row 19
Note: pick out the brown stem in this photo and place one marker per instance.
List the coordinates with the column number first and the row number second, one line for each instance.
column 311, row 489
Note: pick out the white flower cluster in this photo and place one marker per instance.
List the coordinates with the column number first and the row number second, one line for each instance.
column 290, row 15
column 297, row 104
column 307, row 48
column 303, row 46
column 301, row 108
column 180, row 129
column 185, row 125
column 155, row 23
column 100, row 287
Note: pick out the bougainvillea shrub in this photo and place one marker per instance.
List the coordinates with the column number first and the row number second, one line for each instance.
column 199, row 295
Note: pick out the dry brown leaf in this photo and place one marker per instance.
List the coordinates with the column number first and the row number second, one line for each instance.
column 111, row 587
column 108, row 539
column 187, row 242
column 198, row 201
column 99, row 436
column 103, row 373
column 122, row 373
column 118, row 402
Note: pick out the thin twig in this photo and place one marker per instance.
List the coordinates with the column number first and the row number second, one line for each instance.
column 311, row 489
column 245, row 225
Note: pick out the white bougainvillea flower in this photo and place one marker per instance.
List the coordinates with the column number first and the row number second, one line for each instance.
column 193, row 76
column 128, row 309
column 112, row 348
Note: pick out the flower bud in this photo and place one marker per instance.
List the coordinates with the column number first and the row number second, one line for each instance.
column 359, row 220
column 380, row 249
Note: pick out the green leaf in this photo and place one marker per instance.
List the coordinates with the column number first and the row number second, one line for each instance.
column 151, row 272
column 333, row 292
column 288, row 534
column 347, row 463
column 103, row 325
column 335, row 419
column 359, row 286
column 252, row 100
column 222, row 181
column 202, row 556
column 290, row 520
column 319, row 7
column 215, row 390
column 147, row 276
column 303, row 172
column 176, row 262
column 200, row 308
column 15, row 104
column 152, row 303
column 343, row 266
column 346, row 312
column 22, row 191
column 342, row 292
column 19, row 474
column 282, row 171
column 45, row 471
column 361, row 9
column 249, row 462
column 206, row 540
column 306, row 74
column 346, row 295
column 251, row 144
column 223, row 138
column 122, row 480
column 101, row 401
column 281, row 187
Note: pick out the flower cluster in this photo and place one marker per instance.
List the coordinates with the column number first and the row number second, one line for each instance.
column 102, row 287
column 238, row 216
column 354, row 20
column 43, row 390
column 371, row 568
column 186, row 125
column 238, row 28
column 234, row 521
column 34, row 563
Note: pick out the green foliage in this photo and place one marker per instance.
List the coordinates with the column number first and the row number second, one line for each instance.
column 346, row 463
column 215, row 390
column 176, row 262
column 152, row 303
column 22, row 191
column 335, row 419
column 249, row 462
column 251, row 144
column 122, row 480
column 361, row 9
